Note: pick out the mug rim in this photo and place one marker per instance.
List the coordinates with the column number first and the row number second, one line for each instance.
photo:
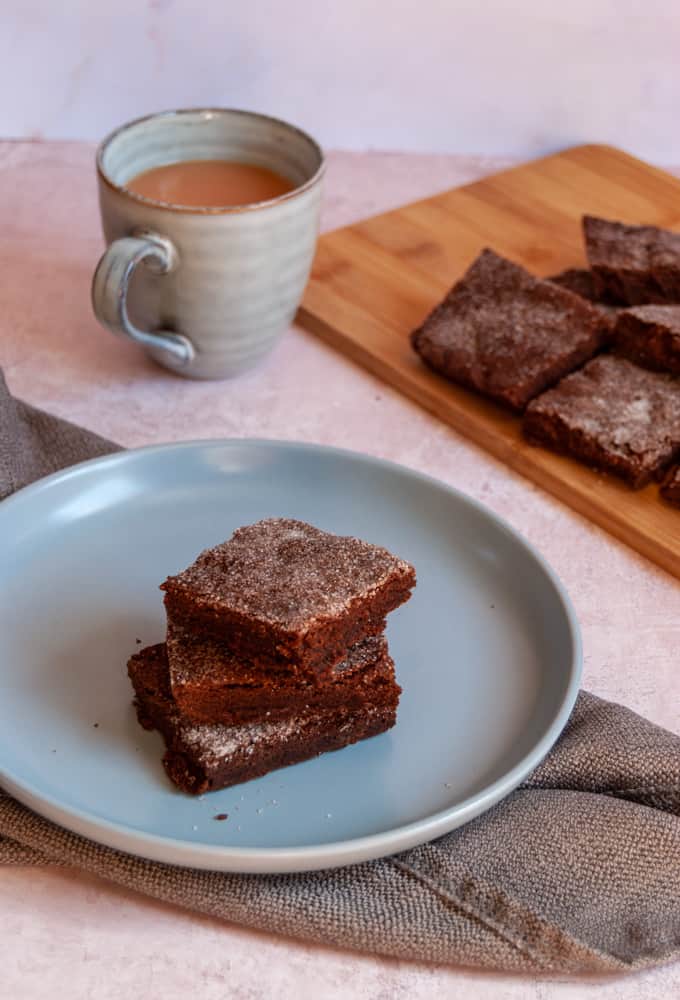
column 207, row 209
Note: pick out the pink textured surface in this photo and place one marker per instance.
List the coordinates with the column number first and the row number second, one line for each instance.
column 65, row 934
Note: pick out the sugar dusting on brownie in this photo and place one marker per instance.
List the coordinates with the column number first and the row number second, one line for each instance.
column 212, row 744
column 634, row 264
column 506, row 333
column 196, row 659
column 201, row 756
column 290, row 573
column 665, row 316
column 617, row 244
column 626, row 409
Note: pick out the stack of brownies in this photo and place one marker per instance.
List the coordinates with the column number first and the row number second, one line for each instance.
column 274, row 653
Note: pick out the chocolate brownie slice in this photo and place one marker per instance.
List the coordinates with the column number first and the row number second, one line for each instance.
column 285, row 594
column 202, row 757
column 670, row 489
column 210, row 684
column 611, row 415
column 633, row 264
column 650, row 336
column 506, row 333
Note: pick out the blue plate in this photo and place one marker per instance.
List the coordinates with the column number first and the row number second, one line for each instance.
column 487, row 652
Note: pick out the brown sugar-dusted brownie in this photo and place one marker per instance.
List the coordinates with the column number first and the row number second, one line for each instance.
column 611, row 415
column 281, row 592
column 201, row 757
column 650, row 336
column 634, row 264
column 670, row 488
column 210, row 684
column 508, row 334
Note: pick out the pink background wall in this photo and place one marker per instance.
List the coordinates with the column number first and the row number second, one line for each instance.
column 486, row 76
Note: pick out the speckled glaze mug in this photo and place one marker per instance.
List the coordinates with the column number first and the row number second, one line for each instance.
column 205, row 291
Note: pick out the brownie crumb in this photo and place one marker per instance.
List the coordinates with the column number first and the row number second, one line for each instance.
column 95, row 725
column 221, row 816
column 138, row 641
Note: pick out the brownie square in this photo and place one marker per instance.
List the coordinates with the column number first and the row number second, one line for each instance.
column 634, row 264
column 202, row 757
column 611, row 415
column 650, row 336
column 210, row 684
column 507, row 334
column 286, row 594
column 670, row 489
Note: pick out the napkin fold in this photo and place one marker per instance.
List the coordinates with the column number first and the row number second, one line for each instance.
column 578, row 871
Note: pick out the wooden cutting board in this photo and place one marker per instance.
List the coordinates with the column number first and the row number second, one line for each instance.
column 373, row 282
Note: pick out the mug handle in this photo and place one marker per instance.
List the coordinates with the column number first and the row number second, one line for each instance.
column 110, row 288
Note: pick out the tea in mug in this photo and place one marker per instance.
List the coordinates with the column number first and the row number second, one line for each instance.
column 209, row 184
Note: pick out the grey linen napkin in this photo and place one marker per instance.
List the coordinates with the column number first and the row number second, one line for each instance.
column 578, row 871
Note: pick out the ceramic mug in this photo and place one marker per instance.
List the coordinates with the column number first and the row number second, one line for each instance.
column 206, row 291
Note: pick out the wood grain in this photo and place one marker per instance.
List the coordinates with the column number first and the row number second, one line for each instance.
column 373, row 282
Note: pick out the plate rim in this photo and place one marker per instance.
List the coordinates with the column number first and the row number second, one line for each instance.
column 280, row 860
